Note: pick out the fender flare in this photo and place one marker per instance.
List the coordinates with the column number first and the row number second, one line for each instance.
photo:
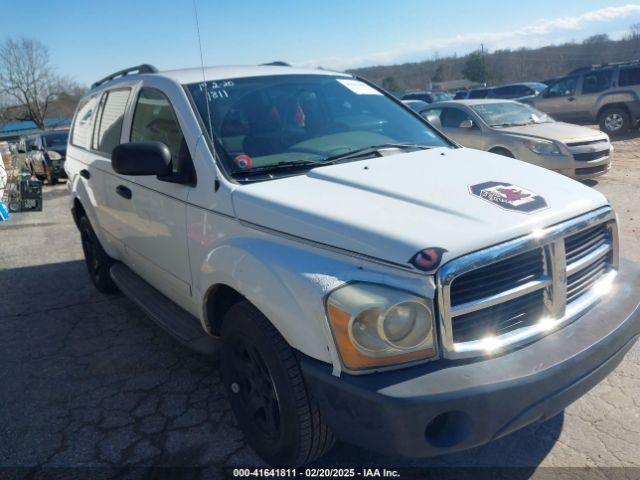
column 287, row 282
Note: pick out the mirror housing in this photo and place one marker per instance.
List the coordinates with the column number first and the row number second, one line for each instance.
column 466, row 124
column 141, row 158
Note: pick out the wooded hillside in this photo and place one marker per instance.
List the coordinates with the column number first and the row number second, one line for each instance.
column 506, row 66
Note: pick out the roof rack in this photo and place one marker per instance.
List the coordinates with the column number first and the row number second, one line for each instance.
column 144, row 68
column 602, row 65
column 277, row 63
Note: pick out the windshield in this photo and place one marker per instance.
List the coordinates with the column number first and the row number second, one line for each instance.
column 441, row 97
column 53, row 140
column 286, row 119
column 507, row 114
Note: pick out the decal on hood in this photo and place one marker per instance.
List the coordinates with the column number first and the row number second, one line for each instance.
column 427, row 259
column 509, row 196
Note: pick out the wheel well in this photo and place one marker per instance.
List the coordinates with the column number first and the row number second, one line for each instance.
column 498, row 150
column 612, row 105
column 218, row 301
column 77, row 211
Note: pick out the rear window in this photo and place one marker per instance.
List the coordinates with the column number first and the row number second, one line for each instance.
column 108, row 129
column 629, row 76
column 81, row 132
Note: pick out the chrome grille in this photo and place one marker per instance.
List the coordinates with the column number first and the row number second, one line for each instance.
column 499, row 319
column 497, row 277
column 581, row 282
column 588, row 142
column 520, row 290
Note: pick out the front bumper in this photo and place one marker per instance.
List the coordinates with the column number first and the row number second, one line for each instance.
column 441, row 407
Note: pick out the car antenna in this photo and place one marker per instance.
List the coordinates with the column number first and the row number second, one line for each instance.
column 204, row 78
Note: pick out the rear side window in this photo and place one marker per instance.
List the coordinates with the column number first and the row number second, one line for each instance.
column 595, row 82
column 81, row 132
column 155, row 120
column 108, row 128
column 629, row 76
column 452, row 117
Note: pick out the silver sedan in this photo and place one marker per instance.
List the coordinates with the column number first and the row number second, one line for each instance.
column 516, row 130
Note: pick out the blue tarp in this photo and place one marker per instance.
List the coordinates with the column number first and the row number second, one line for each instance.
column 29, row 125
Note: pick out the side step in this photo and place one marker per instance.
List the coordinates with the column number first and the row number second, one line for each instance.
column 182, row 325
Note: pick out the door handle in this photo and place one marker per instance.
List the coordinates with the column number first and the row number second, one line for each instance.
column 571, row 99
column 124, row 192
column 84, row 173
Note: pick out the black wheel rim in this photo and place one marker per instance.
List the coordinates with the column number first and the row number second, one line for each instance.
column 252, row 386
column 90, row 253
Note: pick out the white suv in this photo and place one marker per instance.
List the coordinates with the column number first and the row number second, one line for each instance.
column 362, row 276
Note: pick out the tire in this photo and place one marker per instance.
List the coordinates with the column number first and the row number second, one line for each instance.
column 52, row 178
column 267, row 392
column 97, row 261
column 502, row 151
column 614, row 121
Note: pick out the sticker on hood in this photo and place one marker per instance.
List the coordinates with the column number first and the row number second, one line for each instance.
column 509, row 196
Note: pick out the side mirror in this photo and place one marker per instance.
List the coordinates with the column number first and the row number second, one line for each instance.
column 141, row 158
column 466, row 124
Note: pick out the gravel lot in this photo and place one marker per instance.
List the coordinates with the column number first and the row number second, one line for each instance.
column 86, row 380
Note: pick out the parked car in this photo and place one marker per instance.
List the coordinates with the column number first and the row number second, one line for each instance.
column 516, row 90
column 461, row 94
column 46, row 154
column 427, row 97
column 509, row 128
column 361, row 275
column 606, row 94
column 416, row 105
column 478, row 93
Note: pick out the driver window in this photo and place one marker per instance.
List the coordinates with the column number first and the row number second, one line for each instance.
column 155, row 120
column 563, row 88
column 452, row 117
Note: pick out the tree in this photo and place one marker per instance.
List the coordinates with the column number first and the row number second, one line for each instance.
column 599, row 38
column 438, row 75
column 476, row 69
column 27, row 77
column 634, row 32
column 390, row 84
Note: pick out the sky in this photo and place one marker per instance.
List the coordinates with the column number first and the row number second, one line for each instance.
column 88, row 39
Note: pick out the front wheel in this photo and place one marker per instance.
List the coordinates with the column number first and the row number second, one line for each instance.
column 614, row 121
column 267, row 392
column 97, row 260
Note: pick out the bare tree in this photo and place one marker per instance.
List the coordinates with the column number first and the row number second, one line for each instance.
column 27, row 77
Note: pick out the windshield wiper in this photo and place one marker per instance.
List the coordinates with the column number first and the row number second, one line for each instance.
column 280, row 166
column 307, row 164
column 361, row 152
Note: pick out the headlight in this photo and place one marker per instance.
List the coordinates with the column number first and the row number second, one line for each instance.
column 543, row 147
column 374, row 325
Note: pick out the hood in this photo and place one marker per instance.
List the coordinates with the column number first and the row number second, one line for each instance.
column 558, row 131
column 391, row 207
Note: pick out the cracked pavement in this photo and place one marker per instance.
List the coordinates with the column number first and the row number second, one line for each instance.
column 86, row 380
